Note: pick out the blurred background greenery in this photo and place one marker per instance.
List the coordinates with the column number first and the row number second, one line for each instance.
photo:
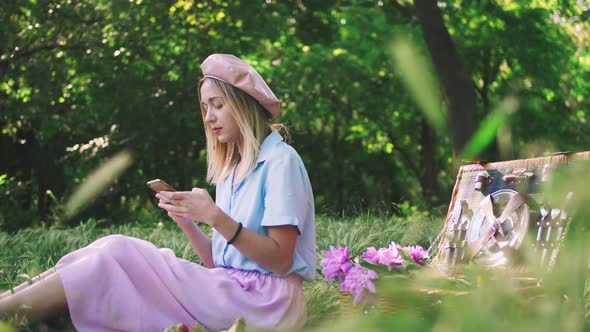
column 81, row 81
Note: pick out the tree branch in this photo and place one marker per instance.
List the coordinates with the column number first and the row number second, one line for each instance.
column 403, row 10
column 40, row 48
column 405, row 156
column 26, row 53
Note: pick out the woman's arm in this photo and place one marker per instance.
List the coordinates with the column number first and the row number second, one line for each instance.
column 198, row 239
column 273, row 252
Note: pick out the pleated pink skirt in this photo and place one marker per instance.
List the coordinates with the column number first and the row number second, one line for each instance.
column 120, row 283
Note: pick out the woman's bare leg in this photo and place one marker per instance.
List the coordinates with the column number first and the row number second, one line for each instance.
column 38, row 301
column 26, row 284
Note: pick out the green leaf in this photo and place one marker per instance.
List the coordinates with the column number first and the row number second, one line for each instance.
column 420, row 81
column 489, row 128
column 381, row 269
column 99, row 180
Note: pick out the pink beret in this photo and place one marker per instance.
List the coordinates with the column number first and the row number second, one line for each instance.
column 230, row 69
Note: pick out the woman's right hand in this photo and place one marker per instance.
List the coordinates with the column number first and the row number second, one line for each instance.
column 180, row 220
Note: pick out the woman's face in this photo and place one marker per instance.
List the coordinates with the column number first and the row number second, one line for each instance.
column 218, row 114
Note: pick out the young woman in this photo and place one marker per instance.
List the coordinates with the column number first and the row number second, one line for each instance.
column 263, row 243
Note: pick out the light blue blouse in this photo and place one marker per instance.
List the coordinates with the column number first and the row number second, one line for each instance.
column 277, row 192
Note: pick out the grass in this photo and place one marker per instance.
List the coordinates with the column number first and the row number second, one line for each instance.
column 31, row 251
column 493, row 303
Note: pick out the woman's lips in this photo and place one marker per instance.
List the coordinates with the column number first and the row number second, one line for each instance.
column 216, row 130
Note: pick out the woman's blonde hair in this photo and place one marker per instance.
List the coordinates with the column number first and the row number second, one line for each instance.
column 254, row 123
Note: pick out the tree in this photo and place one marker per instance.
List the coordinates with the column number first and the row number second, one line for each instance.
column 456, row 80
column 81, row 81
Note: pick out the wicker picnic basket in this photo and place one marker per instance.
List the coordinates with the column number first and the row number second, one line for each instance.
column 493, row 208
column 429, row 298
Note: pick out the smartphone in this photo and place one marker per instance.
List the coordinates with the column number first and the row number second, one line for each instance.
column 158, row 185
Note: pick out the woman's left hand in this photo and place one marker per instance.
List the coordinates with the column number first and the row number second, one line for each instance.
column 196, row 204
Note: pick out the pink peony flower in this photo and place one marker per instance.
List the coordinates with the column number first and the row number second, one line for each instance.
column 388, row 256
column 335, row 265
column 417, row 253
column 357, row 280
column 371, row 255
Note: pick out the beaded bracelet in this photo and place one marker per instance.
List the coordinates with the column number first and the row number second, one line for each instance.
column 236, row 235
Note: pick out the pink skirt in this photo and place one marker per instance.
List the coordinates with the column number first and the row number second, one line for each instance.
column 121, row 283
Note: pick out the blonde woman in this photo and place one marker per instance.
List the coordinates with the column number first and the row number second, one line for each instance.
column 263, row 243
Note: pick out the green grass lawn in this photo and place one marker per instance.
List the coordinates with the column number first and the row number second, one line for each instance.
column 493, row 304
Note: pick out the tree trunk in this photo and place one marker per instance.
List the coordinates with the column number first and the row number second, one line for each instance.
column 456, row 80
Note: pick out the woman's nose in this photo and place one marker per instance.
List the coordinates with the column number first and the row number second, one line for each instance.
column 209, row 116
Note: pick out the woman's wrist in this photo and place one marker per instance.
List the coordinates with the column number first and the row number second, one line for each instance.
column 236, row 234
column 225, row 225
column 216, row 218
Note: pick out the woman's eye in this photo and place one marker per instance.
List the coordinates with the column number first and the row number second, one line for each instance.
column 218, row 106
